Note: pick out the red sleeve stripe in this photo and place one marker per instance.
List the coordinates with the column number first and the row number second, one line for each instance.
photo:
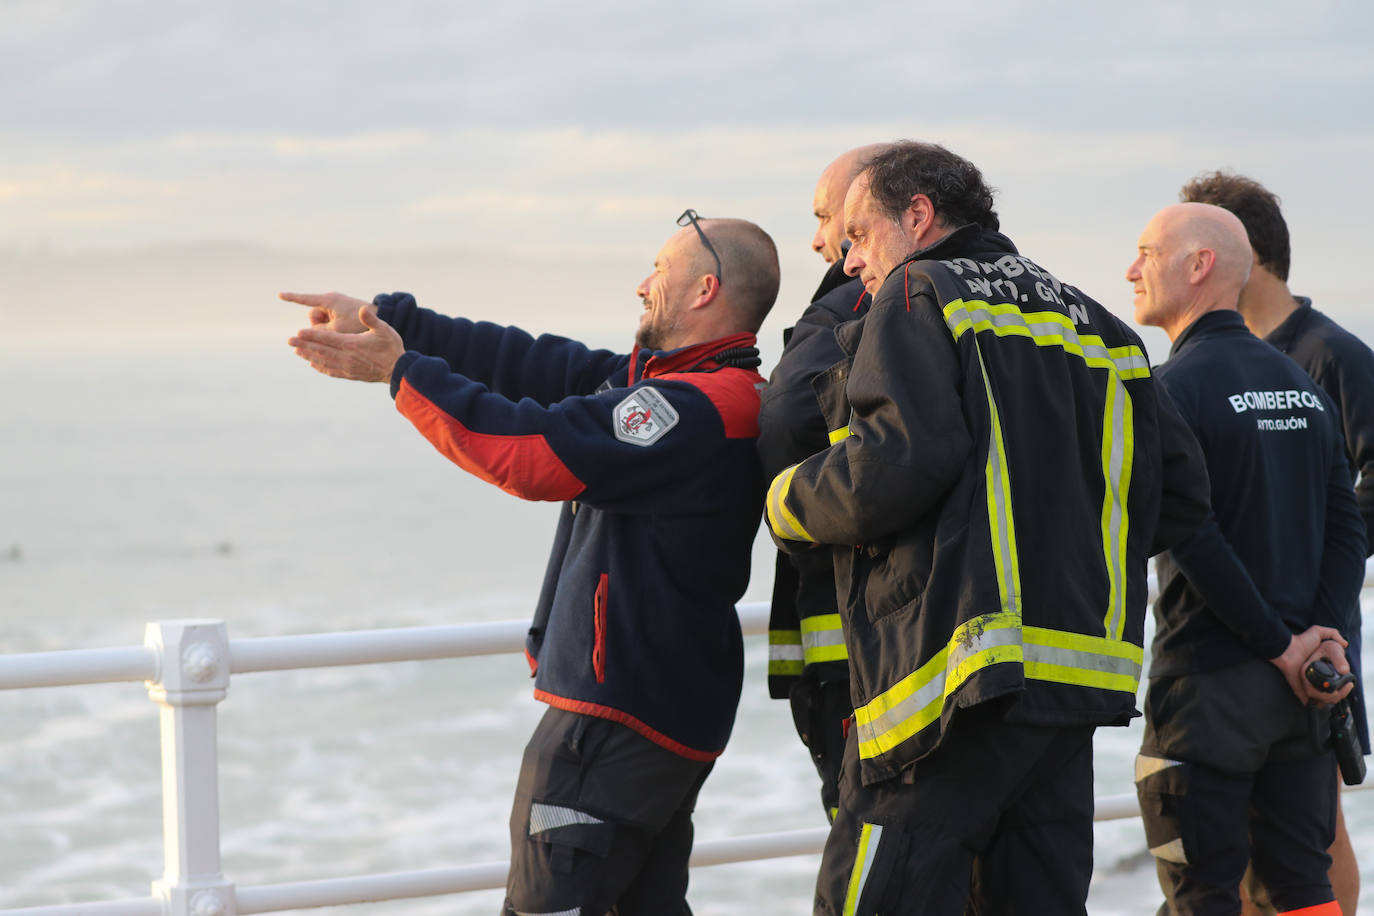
column 525, row 466
column 627, row 720
column 734, row 396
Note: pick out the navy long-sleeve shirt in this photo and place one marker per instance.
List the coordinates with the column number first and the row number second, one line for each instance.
column 1281, row 498
column 1344, row 366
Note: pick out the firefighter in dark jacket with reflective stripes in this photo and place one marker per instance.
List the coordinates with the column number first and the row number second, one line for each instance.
column 635, row 643
column 1233, row 765
column 807, row 663
column 1003, row 465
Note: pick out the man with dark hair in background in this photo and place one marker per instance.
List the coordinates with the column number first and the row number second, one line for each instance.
column 807, row 663
column 1342, row 365
column 635, row 643
column 1234, row 765
column 1002, row 465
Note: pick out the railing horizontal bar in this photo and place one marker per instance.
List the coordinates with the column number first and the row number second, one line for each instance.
column 753, row 617
column 760, row 846
column 1116, row 807
column 141, row 906
column 491, row 876
column 271, row 898
column 313, row 650
column 78, row 666
column 365, row 647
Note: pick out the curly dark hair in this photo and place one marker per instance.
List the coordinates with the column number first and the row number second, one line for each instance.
column 1256, row 206
column 954, row 185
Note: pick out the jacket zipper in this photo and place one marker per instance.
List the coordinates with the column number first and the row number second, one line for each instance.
column 599, row 628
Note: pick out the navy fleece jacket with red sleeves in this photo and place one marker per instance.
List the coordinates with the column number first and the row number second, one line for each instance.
column 653, row 455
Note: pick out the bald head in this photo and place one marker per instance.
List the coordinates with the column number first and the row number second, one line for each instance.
column 749, row 263
column 828, row 202
column 1197, row 227
column 688, row 299
column 1192, row 259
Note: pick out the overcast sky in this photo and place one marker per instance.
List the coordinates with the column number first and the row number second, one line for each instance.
column 584, row 129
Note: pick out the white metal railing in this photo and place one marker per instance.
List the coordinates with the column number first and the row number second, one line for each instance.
column 187, row 665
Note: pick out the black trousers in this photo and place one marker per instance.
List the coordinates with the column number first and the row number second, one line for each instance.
column 820, row 712
column 996, row 820
column 1233, row 769
column 602, row 818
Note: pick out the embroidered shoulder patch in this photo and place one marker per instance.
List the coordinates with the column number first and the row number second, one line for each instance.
column 644, row 417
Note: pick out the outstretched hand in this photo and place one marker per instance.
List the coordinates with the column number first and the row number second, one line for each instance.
column 1303, row 649
column 366, row 356
column 333, row 311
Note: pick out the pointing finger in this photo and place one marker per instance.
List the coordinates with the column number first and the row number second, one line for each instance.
column 312, row 299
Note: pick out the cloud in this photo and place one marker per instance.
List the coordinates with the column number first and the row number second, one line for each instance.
column 347, row 67
column 62, row 182
column 370, row 145
column 588, row 128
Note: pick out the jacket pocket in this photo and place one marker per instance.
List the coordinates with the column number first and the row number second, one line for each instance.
column 599, row 629
column 829, row 387
column 897, row 569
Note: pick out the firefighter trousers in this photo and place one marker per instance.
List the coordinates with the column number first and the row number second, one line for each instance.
column 996, row 820
column 602, row 818
column 1232, row 769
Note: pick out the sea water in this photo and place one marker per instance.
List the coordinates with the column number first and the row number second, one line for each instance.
column 236, row 484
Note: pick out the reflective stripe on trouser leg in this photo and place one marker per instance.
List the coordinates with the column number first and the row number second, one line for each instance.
column 550, row 817
column 575, row 911
column 1146, row 766
column 869, row 838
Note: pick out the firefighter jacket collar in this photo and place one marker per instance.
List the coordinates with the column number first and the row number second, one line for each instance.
column 968, row 237
column 1220, row 323
column 700, row 357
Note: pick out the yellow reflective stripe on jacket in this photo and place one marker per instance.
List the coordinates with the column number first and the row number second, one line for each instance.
column 822, row 638
column 784, row 652
column 1061, row 657
column 839, row 435
column 780, row 518
column 1118, row 428
column 870, row 836
column 1046, row 329
column 1054, row 656
column 1118, row 453
column 997, row 482
column 1000, row 521
column 916, row 700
